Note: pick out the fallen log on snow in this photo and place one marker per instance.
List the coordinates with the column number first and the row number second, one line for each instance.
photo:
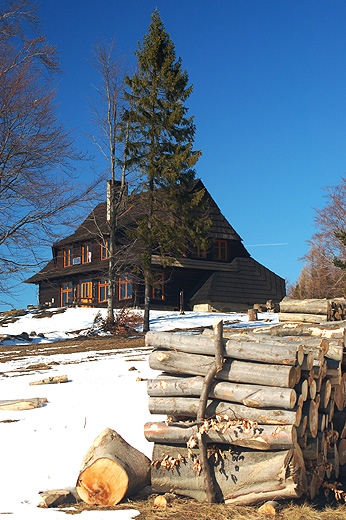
column 111, row 469
column 50, row 380
column 23, row 404
column 242, row 476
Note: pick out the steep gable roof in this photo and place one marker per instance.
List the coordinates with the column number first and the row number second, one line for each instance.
column 96, row 221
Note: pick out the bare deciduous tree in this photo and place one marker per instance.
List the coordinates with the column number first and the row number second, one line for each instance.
column 37, row 185
column 320, row 278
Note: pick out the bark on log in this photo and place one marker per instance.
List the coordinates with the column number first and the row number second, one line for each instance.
column 250, row 395
column 309, row 306
column 315, row 473
column 233, row 370
column 271, row 351
column 342, row 451
column 262, row 438
column 244, row 477
column 187, row 407
column 23, row 404
column 111, row 469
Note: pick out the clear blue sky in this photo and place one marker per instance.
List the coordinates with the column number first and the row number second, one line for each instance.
column 269, row 101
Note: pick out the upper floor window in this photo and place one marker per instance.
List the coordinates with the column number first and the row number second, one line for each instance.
column 220, row 250
column 202, row 252
column 104, row 254
column 125, row 287
column 86, row 253
column 157, row 287
column 68, row 256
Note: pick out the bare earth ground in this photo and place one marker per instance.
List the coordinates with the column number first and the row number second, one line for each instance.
column 177, row 508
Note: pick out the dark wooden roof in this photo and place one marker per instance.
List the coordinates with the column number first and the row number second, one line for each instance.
column 244, row 281
column 97, row 220
column 93, row 225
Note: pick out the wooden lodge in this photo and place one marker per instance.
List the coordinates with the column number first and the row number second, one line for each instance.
column 224, row 277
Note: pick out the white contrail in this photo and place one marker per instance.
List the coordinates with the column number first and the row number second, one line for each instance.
column 262, row 245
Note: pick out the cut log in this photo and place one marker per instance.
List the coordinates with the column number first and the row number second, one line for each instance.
column 23, row 404
column 326, row 390
column 249, row 395
column 315, row 472
column 270, row 508
column 50, row 380
column 342, row 451
column 302, row 388
column 309, row 306
column 243, row 476
column 310, row 409
column 297, row 318
column 187, row 407
column 233, row 370
column 263, row 437
column 111, row 470
column 56, row 498
column 270, row 351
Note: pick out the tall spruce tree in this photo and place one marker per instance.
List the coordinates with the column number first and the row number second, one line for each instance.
column 161, row 149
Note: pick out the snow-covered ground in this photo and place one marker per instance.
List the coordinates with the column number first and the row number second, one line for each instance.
column 42, row 449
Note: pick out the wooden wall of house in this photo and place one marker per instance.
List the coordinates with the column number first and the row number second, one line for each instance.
column 187, row 280
column 49, row 294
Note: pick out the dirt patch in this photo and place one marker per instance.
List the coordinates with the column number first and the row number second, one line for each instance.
column 85, row 344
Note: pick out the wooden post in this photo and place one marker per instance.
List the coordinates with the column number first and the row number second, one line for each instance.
column 252, row 314
column 181, row 302
column 214, row 368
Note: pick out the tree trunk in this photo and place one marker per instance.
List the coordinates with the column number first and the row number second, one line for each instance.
column 249, row 395
column 111, row 260
column 111, row 470
column 233, row 370
column 146, row 325
column 262, row 438
column 241, row 476
column 188, row 407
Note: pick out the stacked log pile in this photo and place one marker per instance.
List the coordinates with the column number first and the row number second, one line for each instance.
column 274, row 421
column 313, row 310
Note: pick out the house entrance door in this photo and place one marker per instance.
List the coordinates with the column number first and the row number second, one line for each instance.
column 86, row 293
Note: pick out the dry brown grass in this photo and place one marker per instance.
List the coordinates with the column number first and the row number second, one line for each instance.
column 179, row 508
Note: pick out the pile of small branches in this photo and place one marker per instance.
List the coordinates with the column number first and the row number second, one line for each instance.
column 125, row 321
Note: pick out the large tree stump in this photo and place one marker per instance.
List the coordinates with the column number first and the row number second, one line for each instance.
column 111, row 470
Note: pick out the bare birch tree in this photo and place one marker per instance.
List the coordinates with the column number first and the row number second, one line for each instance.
column 111, row 141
